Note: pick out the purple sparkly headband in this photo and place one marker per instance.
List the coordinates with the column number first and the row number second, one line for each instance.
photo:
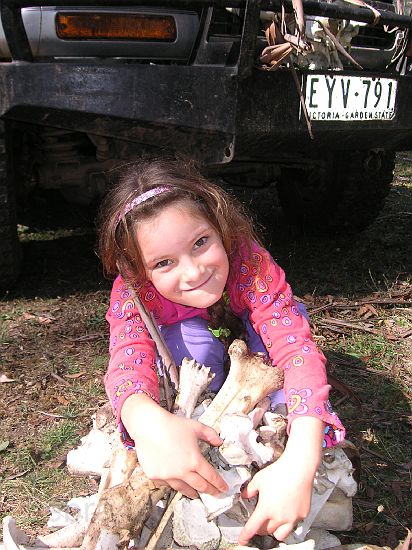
column 142, row 198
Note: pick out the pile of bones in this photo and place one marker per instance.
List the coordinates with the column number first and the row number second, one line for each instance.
column 130, row 512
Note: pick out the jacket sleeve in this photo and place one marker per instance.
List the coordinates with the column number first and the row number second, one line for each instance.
column 132, row 363
column 259, row 287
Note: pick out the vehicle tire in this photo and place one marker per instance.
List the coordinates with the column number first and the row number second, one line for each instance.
column 344, row 194
column 10, row 252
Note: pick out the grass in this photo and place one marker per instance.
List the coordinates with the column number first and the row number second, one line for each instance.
column 53, row 341
column 62, row 435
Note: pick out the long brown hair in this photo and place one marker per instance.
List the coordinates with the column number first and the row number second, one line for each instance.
column 117, row 245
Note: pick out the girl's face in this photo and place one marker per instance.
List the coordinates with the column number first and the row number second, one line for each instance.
column 184, row 256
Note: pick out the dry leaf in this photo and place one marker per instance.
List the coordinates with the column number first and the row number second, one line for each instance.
column 28, row 316
column 45, row 320
column 76, row 375
column 62, row 400
column 4, row 378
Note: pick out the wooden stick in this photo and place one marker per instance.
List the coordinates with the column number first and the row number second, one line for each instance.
column 152, row 543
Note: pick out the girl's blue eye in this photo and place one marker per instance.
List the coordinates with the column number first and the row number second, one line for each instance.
column 200, row 242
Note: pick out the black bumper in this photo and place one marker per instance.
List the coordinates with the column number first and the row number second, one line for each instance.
column 208, row 112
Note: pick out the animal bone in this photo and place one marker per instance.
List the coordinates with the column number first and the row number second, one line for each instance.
column 15, row 539
column 194, row 379
column 123, row 509
column 216, row 505
column 336, row 514
column 249, row 380
column 335, row 471
column 261, row 408
column 190, row 526
column 240, row 445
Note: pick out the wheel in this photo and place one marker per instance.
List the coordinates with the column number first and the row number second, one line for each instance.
column 344, row 194
column 10, row 252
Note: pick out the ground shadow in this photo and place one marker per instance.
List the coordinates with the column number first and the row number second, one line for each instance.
column 58, row 241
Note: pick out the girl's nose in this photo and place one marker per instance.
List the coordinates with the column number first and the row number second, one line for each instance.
column 191, row 271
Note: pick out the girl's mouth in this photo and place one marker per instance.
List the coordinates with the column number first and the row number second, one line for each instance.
column 201, row 284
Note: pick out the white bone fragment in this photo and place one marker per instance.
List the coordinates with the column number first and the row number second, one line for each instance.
column 85, row 507
column 92, row 455
column 257, row 413
column 69, row 536
column 240, row 445
column 230, row 529
column 107, row 541
column 122, row 464
column 200, row 409
column 249, row 380
column 193, row 380
column 12, row 535
column 323, row 539
column 334, row 470
column 336, row 514
column 15, row 539
column 216, row 505
column 190, row 527
column 59, row 518
column 304, row 545
column 242, row 509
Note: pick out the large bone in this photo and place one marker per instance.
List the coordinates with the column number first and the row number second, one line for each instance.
column 250, row 379
column 123, row 509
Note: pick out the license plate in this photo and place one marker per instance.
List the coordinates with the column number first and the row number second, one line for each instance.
column 350, row 98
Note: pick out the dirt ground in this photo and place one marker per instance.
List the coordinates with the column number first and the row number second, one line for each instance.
column 53, row 345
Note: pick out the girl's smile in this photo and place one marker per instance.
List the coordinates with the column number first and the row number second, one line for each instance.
column 184, row 256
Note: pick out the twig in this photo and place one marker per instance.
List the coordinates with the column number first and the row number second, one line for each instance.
column 363, row 301
column 50, row 414
column 60, row 379
column 84, row 338
column 338, row 45
column 170, row 376
column 354, row 326
column 393, row 413
column 381, row 457
column 152, row 543
column 15, row 476
column 302, row 100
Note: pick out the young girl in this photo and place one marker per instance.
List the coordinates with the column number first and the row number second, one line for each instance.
column 191, row 253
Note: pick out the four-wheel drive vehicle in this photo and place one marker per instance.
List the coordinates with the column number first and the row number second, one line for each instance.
column 254, row 92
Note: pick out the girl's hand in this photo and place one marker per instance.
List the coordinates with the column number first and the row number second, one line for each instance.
column 284, row 500
column 284, row 488
column 167, row 447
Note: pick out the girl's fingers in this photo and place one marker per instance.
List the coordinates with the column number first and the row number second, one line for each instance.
column 255, row 524
column 201, row 485
column 283, row 531
column 250, row 490
column 208, row 434
column 211, row 480
column 182, row 487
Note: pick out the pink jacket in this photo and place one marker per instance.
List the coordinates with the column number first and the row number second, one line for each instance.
column 256, row 284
